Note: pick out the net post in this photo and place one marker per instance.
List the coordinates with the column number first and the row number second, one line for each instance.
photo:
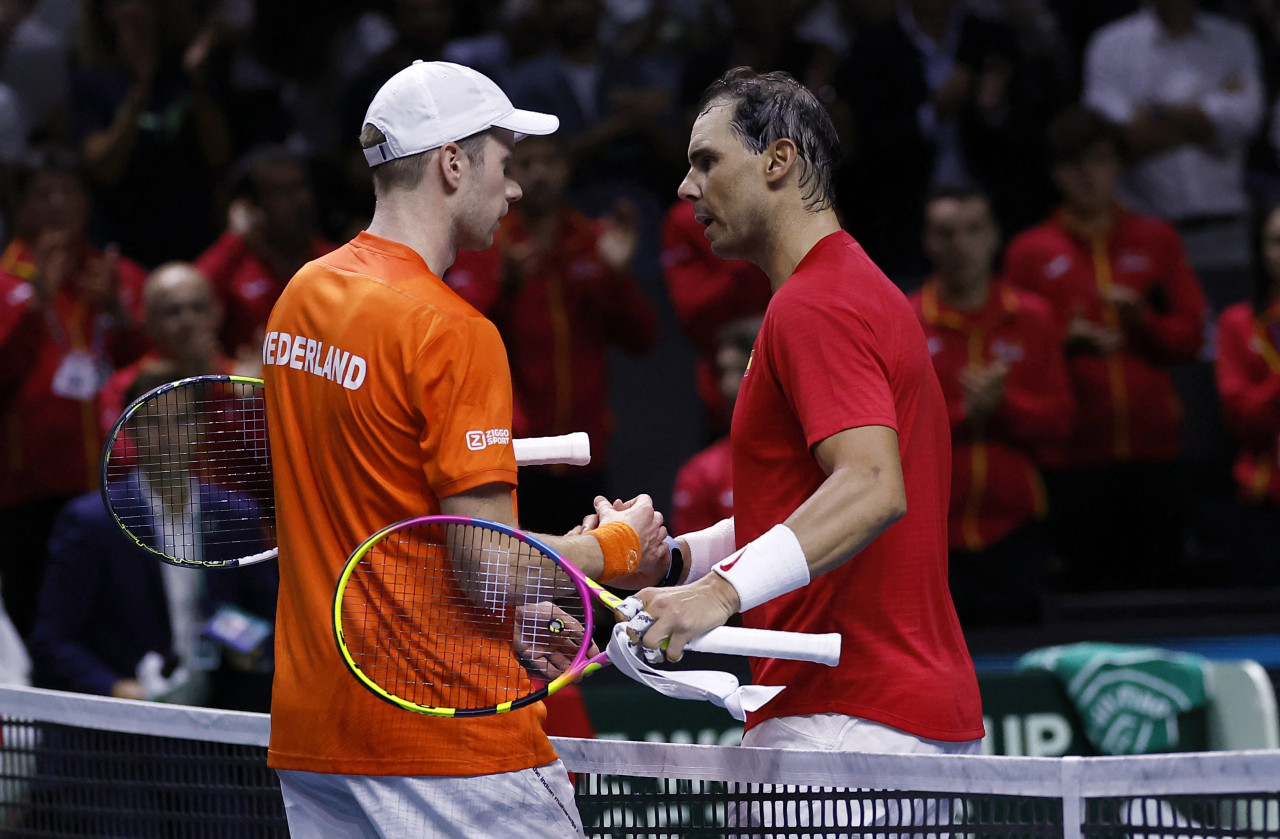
column 1072, row 803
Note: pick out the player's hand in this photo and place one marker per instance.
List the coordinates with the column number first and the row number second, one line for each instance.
column 681, row 613
column 647, row 523
column 547, row 638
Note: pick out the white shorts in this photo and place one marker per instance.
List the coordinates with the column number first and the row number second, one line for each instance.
column 536, row 801
column 840, row 733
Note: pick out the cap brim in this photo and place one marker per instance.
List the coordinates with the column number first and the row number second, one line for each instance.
column 524, row 123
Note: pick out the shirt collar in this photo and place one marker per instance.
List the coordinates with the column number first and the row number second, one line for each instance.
column 390, row 248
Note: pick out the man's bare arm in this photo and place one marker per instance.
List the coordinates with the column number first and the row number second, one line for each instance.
column 863, row 495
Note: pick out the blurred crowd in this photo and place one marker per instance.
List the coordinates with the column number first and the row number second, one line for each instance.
column 1078, row 196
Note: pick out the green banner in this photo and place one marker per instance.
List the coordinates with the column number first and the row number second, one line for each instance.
column 1131, row 700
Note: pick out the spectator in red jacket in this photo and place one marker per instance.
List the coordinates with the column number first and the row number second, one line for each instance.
column 1248, row 373
column 704, row 485
column 559, row 288
column 1132, row 308
column 1005, row 380
column 87, row 303
column 708, row 293
column 272, row 232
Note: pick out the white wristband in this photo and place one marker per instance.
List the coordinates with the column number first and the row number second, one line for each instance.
column 769, row 566
column 708, row 546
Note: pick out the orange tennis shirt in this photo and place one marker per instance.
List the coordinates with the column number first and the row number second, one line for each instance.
column 385, row 392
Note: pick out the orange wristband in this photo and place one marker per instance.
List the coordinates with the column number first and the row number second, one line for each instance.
column 620, row 545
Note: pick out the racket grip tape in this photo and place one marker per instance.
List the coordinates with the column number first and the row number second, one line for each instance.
column 769, row 643
column 571, row 449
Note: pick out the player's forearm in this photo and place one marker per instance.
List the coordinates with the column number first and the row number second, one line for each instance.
column 846, row 513
column 582, row 550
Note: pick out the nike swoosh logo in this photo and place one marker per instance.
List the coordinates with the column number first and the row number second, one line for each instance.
column 725, row 566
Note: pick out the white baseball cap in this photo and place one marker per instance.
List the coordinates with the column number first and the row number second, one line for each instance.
column 430, row 103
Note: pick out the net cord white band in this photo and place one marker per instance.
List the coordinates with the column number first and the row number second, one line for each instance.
column 1173, row 774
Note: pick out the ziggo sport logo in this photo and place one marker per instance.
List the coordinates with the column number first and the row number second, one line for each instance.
column 478, row 440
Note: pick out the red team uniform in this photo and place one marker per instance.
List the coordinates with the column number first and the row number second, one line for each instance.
column 52, row 439
column 841, row 348
column 1127, row 408
column 246, row 286
column 1118, row 497
column 995, row 481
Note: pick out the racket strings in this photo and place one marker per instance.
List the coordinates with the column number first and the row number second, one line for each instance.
column 457, row 616
column 188, row 472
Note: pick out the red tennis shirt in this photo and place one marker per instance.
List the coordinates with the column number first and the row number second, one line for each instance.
column 841, row 348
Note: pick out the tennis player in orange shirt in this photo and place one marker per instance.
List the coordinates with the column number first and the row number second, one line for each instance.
column 388, row 397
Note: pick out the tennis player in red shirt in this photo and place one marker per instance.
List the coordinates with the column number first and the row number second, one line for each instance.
column 841, row 454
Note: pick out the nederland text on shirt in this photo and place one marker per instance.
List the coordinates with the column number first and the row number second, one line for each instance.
column 303, row 353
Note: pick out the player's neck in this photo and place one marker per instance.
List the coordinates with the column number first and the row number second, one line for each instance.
column 794, row 236
column 401, row 221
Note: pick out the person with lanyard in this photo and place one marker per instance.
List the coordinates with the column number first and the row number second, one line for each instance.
column 89, row 302
column 1131, row 308
column 1007, row 397
column 841, row 454
column 409, row 413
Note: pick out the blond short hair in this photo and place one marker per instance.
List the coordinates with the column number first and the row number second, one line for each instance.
column 406, row 173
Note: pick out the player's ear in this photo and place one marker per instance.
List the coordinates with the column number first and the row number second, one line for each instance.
column 779, row 159
column 449, row 161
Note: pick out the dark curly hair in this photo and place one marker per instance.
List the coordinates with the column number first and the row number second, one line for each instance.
column 770, row 106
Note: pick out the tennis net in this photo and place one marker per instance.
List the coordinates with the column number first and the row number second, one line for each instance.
column 73, row 765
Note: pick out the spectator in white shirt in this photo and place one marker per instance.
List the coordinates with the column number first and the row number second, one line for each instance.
column 1187, row 88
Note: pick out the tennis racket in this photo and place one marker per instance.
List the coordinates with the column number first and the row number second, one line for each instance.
column 461, row 617
column 205, row 438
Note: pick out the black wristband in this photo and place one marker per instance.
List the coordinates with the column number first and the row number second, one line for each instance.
column 676, row 568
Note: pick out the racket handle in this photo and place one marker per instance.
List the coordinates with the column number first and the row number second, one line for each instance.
column 770, row 643
column 573, row 449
